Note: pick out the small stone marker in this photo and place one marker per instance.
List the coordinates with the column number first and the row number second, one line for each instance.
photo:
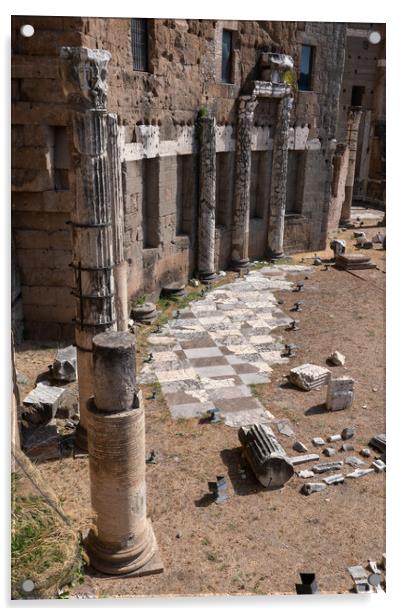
column 365, row 452
column 318, row 441
column 300, row 447
column 334, row 479
column 218, row 489
column 347, row 447
column 337, row 359
column 340, row 393
column 347, row 433
column 65, row 364
column 310, row 488
column 378, row 466
column 305, row 474
column 329, row 451
column 360, row 472
column 309, row 376
column 327, row 467
column 334, row 438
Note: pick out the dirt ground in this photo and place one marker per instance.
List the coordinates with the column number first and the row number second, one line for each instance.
column 259, row 541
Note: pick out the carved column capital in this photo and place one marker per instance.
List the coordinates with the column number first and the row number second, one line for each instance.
column 83, row 73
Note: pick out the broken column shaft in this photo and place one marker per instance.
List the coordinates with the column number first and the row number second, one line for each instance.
column 83, row 73
column 241, row 210
column 265, row 455
column 207, row 185
column 353, row 124
column 124, row 541
column 276, row 222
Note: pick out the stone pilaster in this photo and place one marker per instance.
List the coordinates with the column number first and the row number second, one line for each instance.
column 124, row 541
column 116, row 186
column 276, row 223
column 241, row 210
column 353, row 124
column 83, row 73
column 207, row 198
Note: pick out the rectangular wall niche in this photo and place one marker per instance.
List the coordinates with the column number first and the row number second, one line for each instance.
column 186, row 207
column 224, row 188
column 294, row 182
column 260, row 183
column 59, row 155
column 150, row 202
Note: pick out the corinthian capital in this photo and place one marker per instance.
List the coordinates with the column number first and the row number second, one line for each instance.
column 83, row 72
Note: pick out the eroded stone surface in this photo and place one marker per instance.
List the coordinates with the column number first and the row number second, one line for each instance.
column 309, row 376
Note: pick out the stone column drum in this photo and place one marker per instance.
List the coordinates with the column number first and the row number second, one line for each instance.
column 241, row 209
column 83, row 73
column 276, row 223
column 123, row 542
column 207, row 195
column 353, row 124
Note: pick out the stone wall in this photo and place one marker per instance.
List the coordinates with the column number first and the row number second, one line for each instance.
column 157, row 112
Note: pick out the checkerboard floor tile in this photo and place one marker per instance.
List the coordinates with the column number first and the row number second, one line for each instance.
column 210, row 353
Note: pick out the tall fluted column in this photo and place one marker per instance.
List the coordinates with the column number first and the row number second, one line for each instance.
column 123, row 541
column 83, row 73
column 207, row 198
column 120, row 265
column 353, row 124
column 276, row 223
column 241, row 210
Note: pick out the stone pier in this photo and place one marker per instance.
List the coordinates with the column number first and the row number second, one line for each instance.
column 83, row 73
column 207, row 198
column 276, row 223
column 241, row 210
column 354, row 117
column 123, row 542
column 116, row 188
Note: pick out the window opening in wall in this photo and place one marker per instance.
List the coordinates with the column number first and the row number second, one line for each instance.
column 357, row 96
column 306, row 68
column 139, row 42
column 227, row 48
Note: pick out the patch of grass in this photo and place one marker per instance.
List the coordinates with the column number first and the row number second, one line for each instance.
column 212, row 556
column 44, row 547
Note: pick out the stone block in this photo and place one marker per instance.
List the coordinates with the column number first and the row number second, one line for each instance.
column 327, row 467
column 43, row 444
column 334, row 438
column 354, row 461
column 305, row 474
column 337, row 359
column 42, row 403
column 359, row 472
column 365, row 452
column 329, row 451
column 318, row 441
column 300, row 447
column 311, row 488
column 347, row 433
column 340, row 393
column 309, row 457
column 65, row 364
column 309, row 376
column 346, row 447
column 334, row 479
column 378, row 465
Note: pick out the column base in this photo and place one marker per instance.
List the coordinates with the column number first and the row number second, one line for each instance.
column 346, row 223
column 207, row 276
column 81, row 438
column 241, row 265
column 132, row 562
column 274, row 256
